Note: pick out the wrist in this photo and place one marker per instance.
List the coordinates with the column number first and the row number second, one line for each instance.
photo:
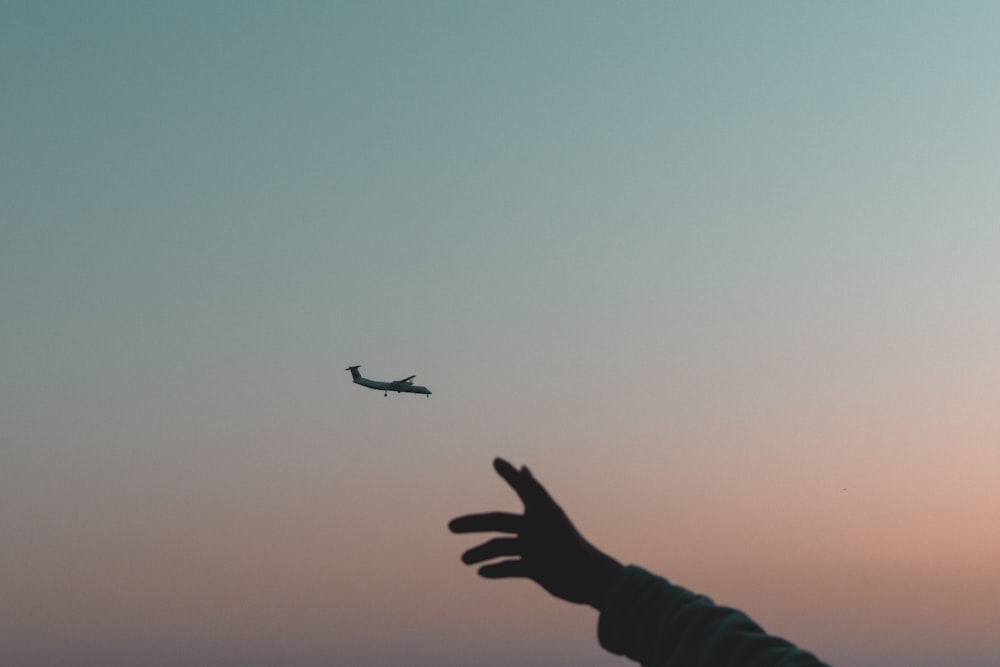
column 605, row 571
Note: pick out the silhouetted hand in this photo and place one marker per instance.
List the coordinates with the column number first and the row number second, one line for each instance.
column 545, row 546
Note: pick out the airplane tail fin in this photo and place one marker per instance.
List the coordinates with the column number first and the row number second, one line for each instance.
column 354, row 371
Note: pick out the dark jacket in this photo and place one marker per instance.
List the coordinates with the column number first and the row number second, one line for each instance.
column 658, row 624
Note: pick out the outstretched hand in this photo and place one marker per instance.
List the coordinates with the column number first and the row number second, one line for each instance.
column 544, row 547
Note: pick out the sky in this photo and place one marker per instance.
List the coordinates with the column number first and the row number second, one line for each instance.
column 724, row 275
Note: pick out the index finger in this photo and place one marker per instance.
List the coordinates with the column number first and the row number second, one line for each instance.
column 500, row 522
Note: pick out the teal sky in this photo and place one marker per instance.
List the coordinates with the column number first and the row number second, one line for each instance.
column 725, row 276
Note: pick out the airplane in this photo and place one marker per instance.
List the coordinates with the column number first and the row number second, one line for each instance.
column 404, row 385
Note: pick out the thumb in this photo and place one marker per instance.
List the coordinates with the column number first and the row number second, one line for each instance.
column 532, row 490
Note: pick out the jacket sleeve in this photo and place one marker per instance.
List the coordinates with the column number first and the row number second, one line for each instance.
column 658, row 624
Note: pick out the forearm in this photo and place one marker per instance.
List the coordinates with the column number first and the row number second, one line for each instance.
column 658, row 624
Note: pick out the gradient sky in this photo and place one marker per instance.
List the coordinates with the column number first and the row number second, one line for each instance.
column 727, row 277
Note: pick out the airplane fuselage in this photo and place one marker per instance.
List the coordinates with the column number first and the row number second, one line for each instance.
column 398, row 386
column 393, row 386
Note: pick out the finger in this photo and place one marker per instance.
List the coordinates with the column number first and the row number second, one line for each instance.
column 517, row 480
column 495, row 548
column 531, row 488
column 501, row 522
column 508, row 472
column 523, row 482
column 504, row 569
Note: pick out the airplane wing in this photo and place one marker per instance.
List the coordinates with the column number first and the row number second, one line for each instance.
column 405, row 380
